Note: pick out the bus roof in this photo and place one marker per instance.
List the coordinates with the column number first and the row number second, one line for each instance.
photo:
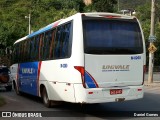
column 46, row 28
column 21, row 39
column 108, row 15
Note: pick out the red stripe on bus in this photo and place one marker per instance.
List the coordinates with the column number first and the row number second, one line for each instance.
column 39, row 69
column 18, row 70
column 56, row 23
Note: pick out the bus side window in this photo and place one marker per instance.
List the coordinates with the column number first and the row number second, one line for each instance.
column 37, row 40
column 44, row 46
column 51, row 53
column 62, row 41
column 49, row 43
column 47, row 39
column 65, row 40
column 41, row 47
column 57, row 43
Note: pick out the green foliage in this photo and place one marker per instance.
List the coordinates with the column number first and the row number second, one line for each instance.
column 143, row 12
column 102, row 6
column 43, row 12
column 126, row 4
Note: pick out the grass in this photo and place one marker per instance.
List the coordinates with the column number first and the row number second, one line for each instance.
column 2, row 101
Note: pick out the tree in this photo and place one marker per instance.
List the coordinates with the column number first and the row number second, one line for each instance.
column 104, row 5
column 144, row 14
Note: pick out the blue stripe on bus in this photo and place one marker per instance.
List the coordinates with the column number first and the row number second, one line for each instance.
column 89, row 81
column 28, row 74
column 48, row 27
column 40, row 31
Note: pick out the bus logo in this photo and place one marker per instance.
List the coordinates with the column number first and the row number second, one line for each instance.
column 135, row 57
column 63, row 65
column 115, row 68
column 28, row 70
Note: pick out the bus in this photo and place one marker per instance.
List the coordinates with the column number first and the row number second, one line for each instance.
column 85, row 58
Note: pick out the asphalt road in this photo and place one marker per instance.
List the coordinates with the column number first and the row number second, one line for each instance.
column 150, row 102
column 69, row 111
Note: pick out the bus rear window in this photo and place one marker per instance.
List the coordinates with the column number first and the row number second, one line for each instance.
column 103, row 36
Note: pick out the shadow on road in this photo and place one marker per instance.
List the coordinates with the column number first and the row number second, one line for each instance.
column 122, row 110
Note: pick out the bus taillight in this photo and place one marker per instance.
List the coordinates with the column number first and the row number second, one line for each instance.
column 81, row 70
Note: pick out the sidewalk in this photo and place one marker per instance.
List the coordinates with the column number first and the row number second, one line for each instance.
column 156, row 80
column 154, row 84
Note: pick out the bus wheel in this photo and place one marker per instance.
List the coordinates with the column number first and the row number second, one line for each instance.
column 45, row 98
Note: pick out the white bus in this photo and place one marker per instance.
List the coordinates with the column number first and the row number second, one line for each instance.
column 85, row 58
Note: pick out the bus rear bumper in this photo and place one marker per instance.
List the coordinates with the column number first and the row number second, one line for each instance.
column 104, row 95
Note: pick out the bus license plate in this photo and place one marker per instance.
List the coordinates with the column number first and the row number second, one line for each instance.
column 115, row 91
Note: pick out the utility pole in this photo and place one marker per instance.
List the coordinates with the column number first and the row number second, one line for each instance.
column 152, row 48
column 118, row 4
column 29, row 22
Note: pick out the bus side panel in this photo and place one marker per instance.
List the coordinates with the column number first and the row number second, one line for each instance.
column 57, row 77
column 28, row 74
column 61, row 92
column 61, row 74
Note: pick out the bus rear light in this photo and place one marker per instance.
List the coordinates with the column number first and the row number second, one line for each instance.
column 139, row 89
column 81, row 70
column 90, row 92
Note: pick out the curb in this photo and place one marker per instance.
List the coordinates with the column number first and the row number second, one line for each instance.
column 154, row 84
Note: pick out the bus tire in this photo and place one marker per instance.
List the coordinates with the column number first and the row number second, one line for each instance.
column 45, row 98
